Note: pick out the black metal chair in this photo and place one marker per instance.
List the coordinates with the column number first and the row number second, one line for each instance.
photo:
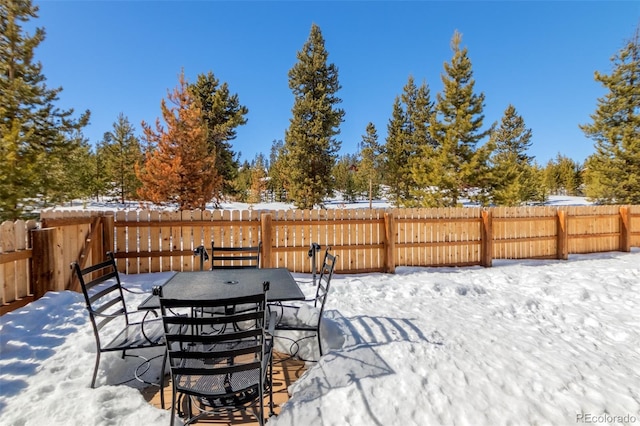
column 214, row 365
column 113, row 326
column 286, row 322
column 235, row 257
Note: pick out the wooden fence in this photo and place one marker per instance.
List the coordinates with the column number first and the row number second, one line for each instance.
column 15, row 263
column 365, row 240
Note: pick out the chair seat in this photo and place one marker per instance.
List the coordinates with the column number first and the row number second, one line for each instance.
column 302, row 317
column 138, row 335
column 222, row 385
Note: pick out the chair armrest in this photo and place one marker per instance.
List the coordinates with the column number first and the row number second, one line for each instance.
column 142, row 324
column 145, row 312
column 99, row 314
column 128, row 290
column 282, row 305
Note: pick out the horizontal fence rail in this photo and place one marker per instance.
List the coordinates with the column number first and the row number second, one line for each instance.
column 366, row 240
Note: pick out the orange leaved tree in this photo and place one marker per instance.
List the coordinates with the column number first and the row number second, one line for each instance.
column 178, row 167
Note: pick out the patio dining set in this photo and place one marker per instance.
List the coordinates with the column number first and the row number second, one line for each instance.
column 218, row 327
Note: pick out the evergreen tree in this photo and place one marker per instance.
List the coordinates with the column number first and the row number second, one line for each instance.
column 511, row 166
column 344, row 174
column 452, row 166
column 563, row 176
column 222, row 114
column 258, row 179
column 310, row 147
column 551, row 178
column 36, row 137
column 119, row 152
column 407, row 135
column 276, row 173
column 67, row 174
column 242, row 183
column 178, row 167
column 613, row 171
column 370, row 169
column 538, row 193
column 397, row 152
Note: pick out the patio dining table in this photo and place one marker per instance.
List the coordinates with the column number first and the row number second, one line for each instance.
column 228, row 283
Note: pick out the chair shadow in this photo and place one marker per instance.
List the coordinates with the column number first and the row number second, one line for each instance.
column 379, row 330
column 357, row 356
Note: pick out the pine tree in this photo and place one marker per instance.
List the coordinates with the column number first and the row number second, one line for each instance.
column 36, row 138
column 453, row 166
column 511, row 166
column 613, row 171
column 397, row 152
column 311, row 149
column 420, row 112
column 67, row 174
column 538, row 192
column 344, row 175
column 178, row 167
column 258, row 179
column 242, row 182
column 276, row 172
column 119, row 151
column 222, row 114
column 552, row 179
column 563, row 176
column 407, row 134
column 370, row 168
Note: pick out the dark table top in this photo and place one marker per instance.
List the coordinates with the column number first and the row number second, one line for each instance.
column 228, row 283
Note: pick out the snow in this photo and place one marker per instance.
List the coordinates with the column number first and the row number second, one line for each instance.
column 522, row 342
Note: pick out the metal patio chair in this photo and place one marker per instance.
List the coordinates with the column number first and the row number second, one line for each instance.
column 113, row 325
column 285, row 322
column 216, row 367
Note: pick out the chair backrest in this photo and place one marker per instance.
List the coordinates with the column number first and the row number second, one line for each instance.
column 324, row 281
column 235, row 257
column 212, row 348
column 102, row 291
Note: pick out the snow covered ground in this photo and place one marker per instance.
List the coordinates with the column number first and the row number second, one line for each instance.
column 523, row 342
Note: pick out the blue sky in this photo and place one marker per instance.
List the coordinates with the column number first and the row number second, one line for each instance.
column 116, row 57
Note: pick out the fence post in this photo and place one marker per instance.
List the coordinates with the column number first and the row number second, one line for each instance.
column 486, row 238
column 43, row 261
column 389, row 243
column 562, row 250
column 625, row 229
column 265, row 231
column 107, row 236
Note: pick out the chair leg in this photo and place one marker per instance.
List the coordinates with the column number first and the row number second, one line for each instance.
column 173, row 405
column 260, row 415
column 164, row 364
column 95, row 369
column 271, row 413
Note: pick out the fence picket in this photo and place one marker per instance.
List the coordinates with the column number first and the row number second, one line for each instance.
column 154, row 239
column 8, row 244
column 187, row 234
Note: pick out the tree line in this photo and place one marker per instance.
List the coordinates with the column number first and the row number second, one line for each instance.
column 438, row 150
